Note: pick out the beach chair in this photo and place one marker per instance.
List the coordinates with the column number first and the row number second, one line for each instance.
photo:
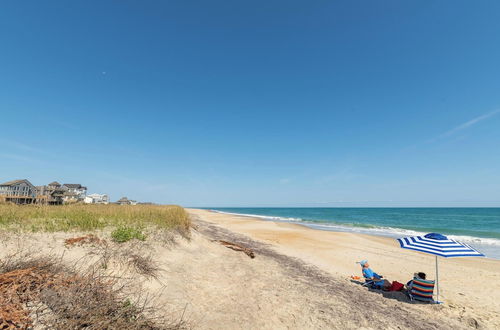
column 368, row 283
column 371, row 283
column 422, row 290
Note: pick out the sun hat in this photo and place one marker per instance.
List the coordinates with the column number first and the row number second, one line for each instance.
column 362, row 262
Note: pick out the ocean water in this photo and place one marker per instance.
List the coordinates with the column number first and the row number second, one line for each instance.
column 479, row 227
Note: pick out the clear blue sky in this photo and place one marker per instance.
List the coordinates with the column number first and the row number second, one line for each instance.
column 227, row 103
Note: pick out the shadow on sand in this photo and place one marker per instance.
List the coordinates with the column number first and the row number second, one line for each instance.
column 401, row 296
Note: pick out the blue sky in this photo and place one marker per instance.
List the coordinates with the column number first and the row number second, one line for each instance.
column 262, row 103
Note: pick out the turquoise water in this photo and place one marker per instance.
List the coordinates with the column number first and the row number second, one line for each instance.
column 479, row 227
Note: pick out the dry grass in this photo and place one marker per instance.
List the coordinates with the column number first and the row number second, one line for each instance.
column 143, row 264
column 136, row 257
column 44, row 293
column 47, row 218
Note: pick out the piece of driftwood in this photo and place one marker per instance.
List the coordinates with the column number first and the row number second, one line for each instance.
column 236, row 247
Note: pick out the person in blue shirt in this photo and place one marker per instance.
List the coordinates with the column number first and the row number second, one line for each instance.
column 370, row 275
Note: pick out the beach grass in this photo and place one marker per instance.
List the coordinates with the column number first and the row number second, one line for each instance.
column 125, row 234
column 82, row 217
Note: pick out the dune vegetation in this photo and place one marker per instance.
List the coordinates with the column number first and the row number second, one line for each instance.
column 80, row 217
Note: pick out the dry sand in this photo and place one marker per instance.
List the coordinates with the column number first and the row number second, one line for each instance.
column 297, row 280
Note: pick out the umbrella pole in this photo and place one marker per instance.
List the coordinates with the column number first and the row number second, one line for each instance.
column 437, row 280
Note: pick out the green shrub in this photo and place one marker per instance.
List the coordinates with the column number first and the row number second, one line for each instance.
column 125, row 234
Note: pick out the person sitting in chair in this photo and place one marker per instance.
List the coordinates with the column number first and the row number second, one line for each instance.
column 420, row 288
column 377, row 282
column 418, row 276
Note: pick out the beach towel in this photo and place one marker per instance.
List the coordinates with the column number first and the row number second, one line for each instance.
column 396, row 286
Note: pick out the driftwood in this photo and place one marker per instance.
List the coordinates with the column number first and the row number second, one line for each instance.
column 236, row 247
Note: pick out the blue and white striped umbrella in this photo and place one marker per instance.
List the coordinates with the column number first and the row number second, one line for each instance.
column 439, row 245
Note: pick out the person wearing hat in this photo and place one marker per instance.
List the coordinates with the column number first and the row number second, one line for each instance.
column 370, row 275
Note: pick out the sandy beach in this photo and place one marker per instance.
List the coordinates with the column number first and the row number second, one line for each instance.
column 298, row 278
column 469, row 287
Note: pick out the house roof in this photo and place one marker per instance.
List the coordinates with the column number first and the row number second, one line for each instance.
column 74, row 185
column 123, row 199
column 15, row 182
column 55, row 183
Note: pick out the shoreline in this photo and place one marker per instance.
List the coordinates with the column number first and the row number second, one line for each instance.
column 337, row 253
column 489, row 246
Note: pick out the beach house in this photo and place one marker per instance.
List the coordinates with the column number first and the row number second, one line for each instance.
column 51, row 194
column 96, row 199
column 75, row 192
column 18, row 191
column 126, row 201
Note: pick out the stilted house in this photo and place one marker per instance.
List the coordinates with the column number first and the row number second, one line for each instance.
column 75, row 192
column 18, row 191
column 51, row 194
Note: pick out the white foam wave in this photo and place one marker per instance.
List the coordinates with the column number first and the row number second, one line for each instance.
column 399, row 232
column 489, row 246
column 267, row 217
column 385, row 231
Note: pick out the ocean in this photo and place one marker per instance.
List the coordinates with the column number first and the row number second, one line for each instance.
column 479, row 227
